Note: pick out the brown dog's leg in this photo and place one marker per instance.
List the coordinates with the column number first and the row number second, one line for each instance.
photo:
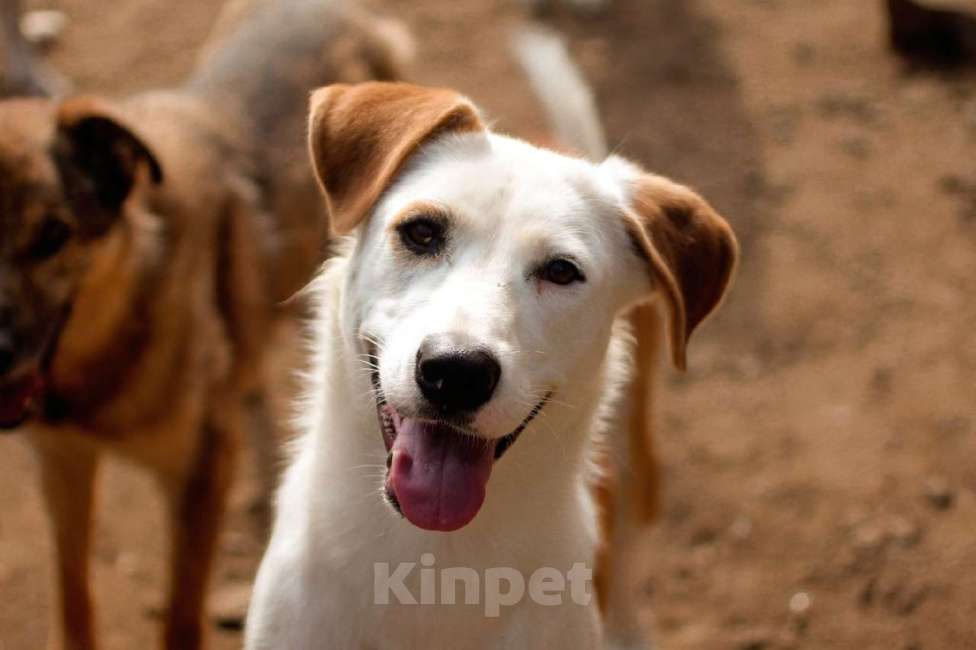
column 197, row 505
column 67, row 480
column 261, row 430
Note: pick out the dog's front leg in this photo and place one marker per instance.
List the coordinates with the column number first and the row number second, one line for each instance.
column 196, row 506
column 67, row 480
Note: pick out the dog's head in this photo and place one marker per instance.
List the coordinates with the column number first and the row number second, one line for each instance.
column 65, row 174
column 487, row 275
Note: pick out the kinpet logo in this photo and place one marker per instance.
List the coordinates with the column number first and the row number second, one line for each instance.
column 494, row 588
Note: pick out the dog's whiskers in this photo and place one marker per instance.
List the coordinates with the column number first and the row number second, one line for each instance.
column 368, row 465
column 372, row 365
column 375, row 342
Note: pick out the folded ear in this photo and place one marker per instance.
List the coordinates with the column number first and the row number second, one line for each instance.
column 361, row 135
column 689, row 248
column 99, row 159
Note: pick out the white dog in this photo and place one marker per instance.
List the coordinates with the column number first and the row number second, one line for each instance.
column 469, row 354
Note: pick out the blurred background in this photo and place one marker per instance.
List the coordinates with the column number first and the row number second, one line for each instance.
column 820, row 456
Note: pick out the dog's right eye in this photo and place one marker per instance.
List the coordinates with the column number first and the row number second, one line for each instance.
column 51, row 238
column 423, row 236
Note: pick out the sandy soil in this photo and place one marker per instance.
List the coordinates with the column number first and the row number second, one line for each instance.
column 820, row 482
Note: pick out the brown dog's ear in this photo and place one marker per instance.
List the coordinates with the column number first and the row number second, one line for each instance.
column 361, row 135
column 691, row 251
column 99, row 160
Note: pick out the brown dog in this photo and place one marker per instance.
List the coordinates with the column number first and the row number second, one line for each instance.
column 145, row 246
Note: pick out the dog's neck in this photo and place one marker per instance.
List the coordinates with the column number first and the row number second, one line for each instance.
column 106, row 329
column 535, row 488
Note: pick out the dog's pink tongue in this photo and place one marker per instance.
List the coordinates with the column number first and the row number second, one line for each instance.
column 438, row 475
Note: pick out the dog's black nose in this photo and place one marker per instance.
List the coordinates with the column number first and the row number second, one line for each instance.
column 455, row 377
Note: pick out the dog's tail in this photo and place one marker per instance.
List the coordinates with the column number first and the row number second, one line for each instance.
column 562, row 90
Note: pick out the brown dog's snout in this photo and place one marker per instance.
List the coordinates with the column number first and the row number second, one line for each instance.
column 454, row 375
column 8, row 352
column 13, row 337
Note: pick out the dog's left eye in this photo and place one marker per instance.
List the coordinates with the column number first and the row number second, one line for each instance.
column 423, row 236
column 50, row 239
column 561, row 271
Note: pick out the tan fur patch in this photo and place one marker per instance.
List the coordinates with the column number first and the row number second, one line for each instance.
column 360, row 137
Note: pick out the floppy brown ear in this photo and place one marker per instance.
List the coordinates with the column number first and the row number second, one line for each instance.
column 361, row 135
column 690, row 249
column 99, row 160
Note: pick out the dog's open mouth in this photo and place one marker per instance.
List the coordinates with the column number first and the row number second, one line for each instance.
column 23, row 396
column 18, row 399
column 437, row 473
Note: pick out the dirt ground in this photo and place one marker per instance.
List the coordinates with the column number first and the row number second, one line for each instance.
column 820, row 456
